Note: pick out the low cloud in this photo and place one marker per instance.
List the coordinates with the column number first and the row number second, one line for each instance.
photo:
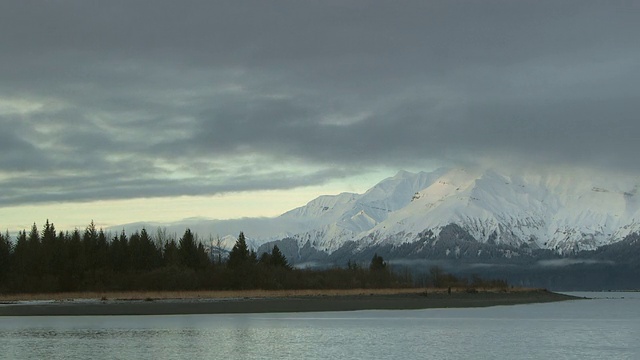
column 569, row 262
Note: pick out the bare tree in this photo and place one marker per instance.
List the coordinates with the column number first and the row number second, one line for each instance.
column 219, row 248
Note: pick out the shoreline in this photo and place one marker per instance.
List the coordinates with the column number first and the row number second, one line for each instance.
column 248, row 302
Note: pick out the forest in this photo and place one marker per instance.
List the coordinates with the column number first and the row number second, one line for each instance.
column 43, row 260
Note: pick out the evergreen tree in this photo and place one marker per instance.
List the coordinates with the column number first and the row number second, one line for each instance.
column 48, row 232
column 242, row 261
column 188, row 250
column 265, row 259
column 203, row 259
column 277, row 259
column 149, row 254
column 5, row 256
column 102, row 251
column 73, row 263
column 170, row 254
column 90, row 247
column 119, row 253
column 52, row 250
column 239, row 255
column 377, row 263
column 34, row 236
column 134, row 251
column 35, row 256
column 20, row 258
column 59, row 254
column 90, row 233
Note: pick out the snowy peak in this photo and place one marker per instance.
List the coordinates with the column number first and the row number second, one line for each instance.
column 565, row 212
column 559, row 212
column 359, row 212
column 396, row 192
column 329, row 207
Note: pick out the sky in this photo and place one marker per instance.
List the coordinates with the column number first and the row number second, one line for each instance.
column 124, row 111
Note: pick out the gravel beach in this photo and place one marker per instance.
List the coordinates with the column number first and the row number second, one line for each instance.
column 267, row 304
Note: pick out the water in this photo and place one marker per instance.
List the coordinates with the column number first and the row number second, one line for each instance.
column 606, row 327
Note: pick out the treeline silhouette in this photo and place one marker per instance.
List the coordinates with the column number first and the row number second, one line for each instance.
column 92, row 260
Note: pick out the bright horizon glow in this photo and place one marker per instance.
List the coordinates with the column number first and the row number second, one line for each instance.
column 108, row 213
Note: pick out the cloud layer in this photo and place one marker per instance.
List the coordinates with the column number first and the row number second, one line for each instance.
column 160, row 98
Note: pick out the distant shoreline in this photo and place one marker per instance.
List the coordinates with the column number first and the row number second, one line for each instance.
column 276, row 302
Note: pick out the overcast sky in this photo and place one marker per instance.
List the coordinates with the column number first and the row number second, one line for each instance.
column 117, row 110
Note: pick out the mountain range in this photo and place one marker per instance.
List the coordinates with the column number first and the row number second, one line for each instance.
column 479, row 219
column 564, row 213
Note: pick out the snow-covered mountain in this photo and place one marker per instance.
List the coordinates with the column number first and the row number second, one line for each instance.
column 332, row 220
column 566, row 212
column 560, row 211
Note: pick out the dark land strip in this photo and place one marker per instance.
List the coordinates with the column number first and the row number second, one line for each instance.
column 280, row 304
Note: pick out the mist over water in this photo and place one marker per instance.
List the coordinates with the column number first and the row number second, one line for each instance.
column 605, row 327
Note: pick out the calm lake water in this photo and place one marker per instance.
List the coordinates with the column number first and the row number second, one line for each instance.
column 605, row 327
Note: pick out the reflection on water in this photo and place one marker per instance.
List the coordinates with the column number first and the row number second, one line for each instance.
column 590, row 329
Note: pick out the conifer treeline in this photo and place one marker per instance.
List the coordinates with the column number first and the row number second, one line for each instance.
column 92, row 260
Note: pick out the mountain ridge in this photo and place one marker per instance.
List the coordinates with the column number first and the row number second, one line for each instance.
column 562, row 212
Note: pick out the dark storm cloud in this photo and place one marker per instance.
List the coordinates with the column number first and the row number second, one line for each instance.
column 125, row 99
column 17, row 154
column 119, row 185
